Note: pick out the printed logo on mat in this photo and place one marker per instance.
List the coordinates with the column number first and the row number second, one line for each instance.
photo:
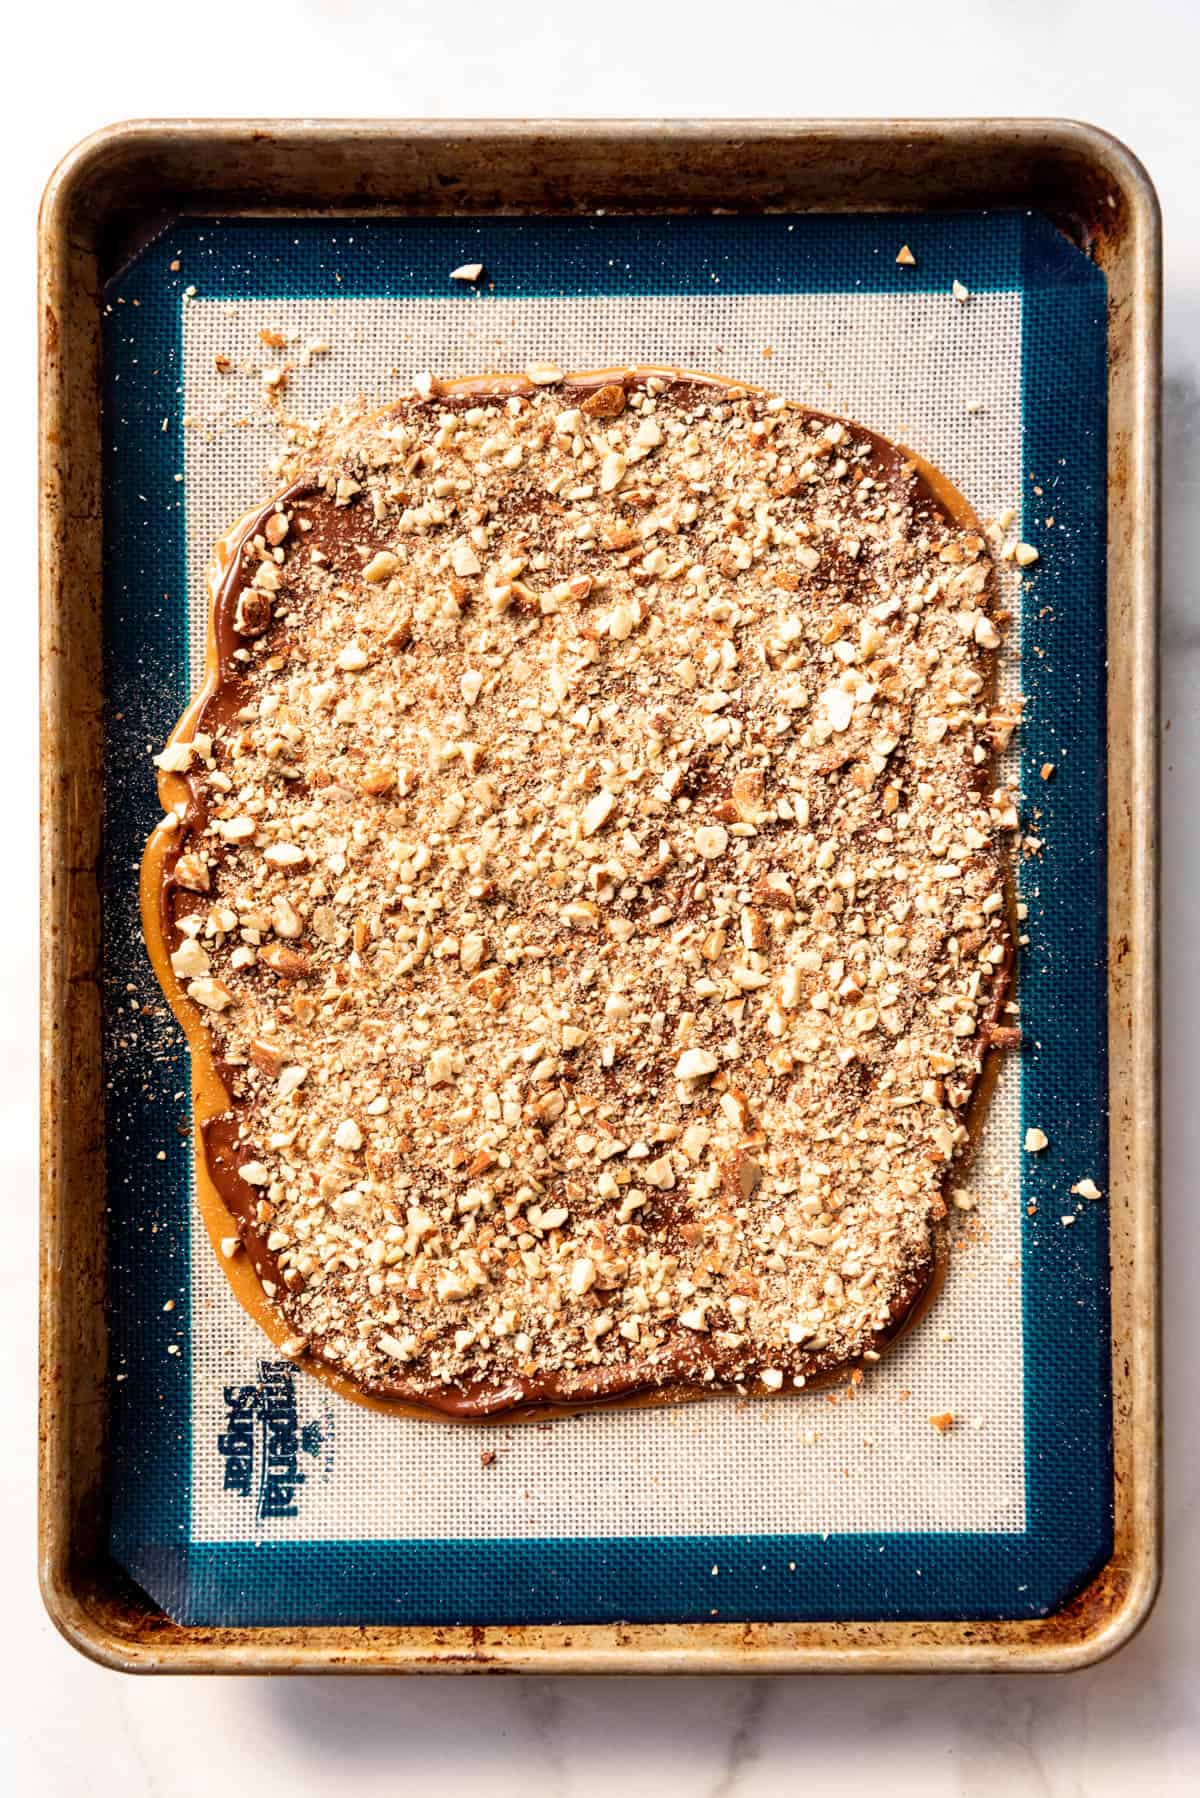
column 268, row 1452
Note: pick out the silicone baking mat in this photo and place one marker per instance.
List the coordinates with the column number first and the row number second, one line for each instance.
column 243, row 1491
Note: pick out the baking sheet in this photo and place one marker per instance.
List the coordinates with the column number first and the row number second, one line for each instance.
column 805, row 1508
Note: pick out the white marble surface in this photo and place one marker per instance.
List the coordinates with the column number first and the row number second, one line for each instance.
column 67, row 1727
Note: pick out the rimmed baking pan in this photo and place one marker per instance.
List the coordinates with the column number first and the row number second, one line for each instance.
column 1029, row 1536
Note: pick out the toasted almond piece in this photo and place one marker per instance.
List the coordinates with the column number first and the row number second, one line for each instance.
column 285, row 855
column 606, row 402
column 376, row 780
column 712, row 840
column 583, row 1275
column 612, row 471
column 191, row 960
column 382, row 566
column 598, row 810
column 694, row 1064
column 467, row 271
column 291, row 1080
column 472, row 952
column 252, row 613
column 213, row 995
column 268, row 1056
column 353, row 658
column 463, row 559
column 839, row 707
column 284, row 961
column 741, row 1174
column 753, row 926
column 175, row 758
column 285, row 919
column 747, row 796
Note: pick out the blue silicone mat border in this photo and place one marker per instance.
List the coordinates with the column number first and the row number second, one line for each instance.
column 1063, row 978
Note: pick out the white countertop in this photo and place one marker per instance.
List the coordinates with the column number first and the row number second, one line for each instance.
column 67, row 1727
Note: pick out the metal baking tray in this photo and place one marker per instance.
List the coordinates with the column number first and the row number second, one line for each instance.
column 114, row 192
